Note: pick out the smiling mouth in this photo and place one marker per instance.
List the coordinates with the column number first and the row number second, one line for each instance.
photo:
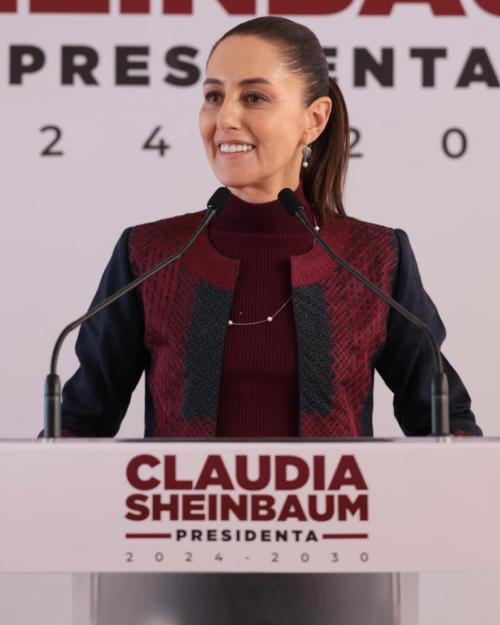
column 234, row 148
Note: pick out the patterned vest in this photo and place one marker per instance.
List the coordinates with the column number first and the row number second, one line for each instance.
column 340, row 325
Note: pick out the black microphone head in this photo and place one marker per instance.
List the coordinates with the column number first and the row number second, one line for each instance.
column 219, row 200
column 290, row 202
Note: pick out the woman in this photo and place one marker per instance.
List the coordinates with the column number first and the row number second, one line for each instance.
column 255, row 332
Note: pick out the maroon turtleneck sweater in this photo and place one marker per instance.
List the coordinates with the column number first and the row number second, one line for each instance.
column 259, row 380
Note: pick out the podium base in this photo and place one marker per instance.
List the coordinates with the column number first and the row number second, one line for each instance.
column 245, row 599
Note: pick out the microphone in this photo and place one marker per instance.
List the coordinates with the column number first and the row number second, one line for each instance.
column 52, row 404
column 439, row 388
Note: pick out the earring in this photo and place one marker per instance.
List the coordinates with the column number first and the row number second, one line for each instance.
column 306, row 154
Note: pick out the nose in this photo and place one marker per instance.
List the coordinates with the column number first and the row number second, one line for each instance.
column 229, row 114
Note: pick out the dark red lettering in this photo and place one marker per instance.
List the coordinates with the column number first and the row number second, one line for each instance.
column 233, row 7
column 212, row 508
column 178, row 7
column 170, row 476
column 237, row 508
column 133, row 472
column 439, row 7
column 490, row 6
column 138, row 510
column 69, row 6
column 263, row 475
column 214, row 473
column 329, row 508
column 135, row 6
column 319, row 472
column 192, row 508
column 306, row 7
column 247, row 7
column 282, row 464
column 171, row 506
column 263, row 508
column 348, row 473
column 292, row 509
column 345, row 505
column 239, row 7
column 8, row 6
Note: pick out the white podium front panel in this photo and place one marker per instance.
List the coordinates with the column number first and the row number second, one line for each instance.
column 235, row 506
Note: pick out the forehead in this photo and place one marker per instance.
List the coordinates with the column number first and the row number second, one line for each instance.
column 238, row 57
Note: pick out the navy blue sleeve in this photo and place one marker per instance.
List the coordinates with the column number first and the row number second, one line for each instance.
column 406, row 363
column 110, row 349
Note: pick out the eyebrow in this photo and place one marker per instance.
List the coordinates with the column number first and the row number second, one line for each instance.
column 242, row 83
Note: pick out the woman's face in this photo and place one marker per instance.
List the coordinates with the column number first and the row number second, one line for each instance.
column 253, row 121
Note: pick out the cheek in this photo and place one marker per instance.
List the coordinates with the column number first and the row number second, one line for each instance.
column 282, row 148
column 206, row 125
column 282, row 138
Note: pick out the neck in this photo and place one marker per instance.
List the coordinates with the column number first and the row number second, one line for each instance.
column 242, row 216
column 263, row 195
column 253, row 196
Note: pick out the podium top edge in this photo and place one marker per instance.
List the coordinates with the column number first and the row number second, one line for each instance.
column 282, row 440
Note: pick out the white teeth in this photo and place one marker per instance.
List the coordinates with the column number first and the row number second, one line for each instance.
column 231, row 148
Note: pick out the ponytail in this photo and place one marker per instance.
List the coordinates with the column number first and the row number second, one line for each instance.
column 324, row 178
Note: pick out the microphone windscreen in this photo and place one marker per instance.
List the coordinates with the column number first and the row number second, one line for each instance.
column 219, row 200
column 290, row 202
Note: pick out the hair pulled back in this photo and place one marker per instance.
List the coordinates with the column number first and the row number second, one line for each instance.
column 302, row 53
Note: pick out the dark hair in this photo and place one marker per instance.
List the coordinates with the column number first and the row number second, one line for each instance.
column 324, row 179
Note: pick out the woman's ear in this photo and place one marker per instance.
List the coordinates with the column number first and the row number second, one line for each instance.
column 318, row 114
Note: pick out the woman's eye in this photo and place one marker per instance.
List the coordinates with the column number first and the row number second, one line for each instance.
column 254, row 98
column 213, row 97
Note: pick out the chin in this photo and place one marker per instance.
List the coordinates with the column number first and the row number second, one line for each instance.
column 234, row 181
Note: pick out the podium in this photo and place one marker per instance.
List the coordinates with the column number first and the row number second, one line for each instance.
column 184, row 532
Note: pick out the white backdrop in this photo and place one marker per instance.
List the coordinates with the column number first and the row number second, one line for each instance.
column 63, row 213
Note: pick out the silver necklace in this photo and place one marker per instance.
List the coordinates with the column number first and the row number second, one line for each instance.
column 275, row 314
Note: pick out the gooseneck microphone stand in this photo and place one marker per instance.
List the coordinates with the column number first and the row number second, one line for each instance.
column 440, row 414
column 52, row 403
